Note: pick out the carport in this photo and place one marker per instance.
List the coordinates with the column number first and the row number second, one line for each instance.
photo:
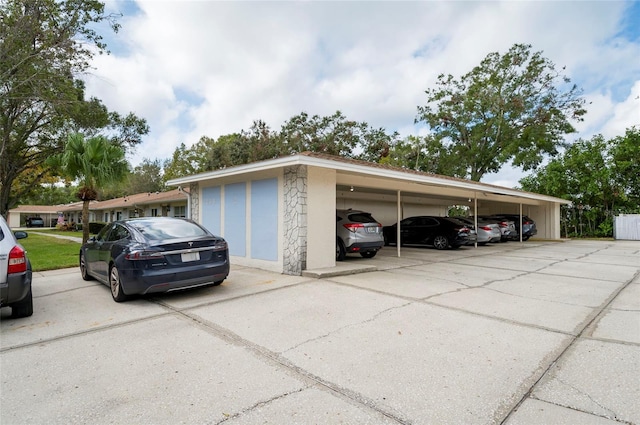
column 276, row 214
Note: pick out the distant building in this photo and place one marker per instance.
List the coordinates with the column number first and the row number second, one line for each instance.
column 173, row 203
column 17, row 217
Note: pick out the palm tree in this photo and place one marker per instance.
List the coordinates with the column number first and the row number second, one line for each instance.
column 93, row 163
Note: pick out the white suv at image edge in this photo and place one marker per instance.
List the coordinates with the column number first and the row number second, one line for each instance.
column 15, row 273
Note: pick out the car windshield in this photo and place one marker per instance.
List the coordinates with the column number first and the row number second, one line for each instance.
column 167, row 229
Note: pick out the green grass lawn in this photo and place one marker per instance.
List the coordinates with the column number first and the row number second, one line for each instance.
column 49, row 253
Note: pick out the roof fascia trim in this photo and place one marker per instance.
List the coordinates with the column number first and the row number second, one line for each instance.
column 361, row 169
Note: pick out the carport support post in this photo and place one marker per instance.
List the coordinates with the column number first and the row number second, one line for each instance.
column 475, row 215
column 398, row 227
column 520, row 222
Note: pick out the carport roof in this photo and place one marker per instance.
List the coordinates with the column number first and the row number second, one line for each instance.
column 365, row 169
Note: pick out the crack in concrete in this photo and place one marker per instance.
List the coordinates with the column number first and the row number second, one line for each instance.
column 303, row 374
column 578, row 410
column 611, row 414
column 258, row 405
column 350, row 325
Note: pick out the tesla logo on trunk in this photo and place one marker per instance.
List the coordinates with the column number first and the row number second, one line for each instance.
column 190, row 244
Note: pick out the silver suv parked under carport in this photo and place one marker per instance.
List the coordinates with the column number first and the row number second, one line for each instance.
column 357, row 231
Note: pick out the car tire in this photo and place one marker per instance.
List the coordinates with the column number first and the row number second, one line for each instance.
column 83, row 268
column 341, row 253
column 23, row 308
column 116, row 286
column 441, row 242
column 369, row 254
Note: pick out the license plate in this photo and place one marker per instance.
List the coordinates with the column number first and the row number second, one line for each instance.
column 190, row 256
column 372, row 229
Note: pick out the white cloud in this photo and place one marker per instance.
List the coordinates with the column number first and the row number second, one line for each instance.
column 211, row 68
column 625, row 114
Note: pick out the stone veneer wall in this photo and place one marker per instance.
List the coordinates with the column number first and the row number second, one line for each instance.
column 295, row 220
column 195, row 197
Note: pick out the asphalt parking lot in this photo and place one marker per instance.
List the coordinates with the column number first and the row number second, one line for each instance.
column 532, row 333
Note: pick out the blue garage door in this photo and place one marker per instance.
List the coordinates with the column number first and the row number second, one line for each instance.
column 211, row 211
column 235, row 218
column 264, row 219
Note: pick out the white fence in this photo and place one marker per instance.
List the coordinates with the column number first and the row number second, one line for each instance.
column 627, row 226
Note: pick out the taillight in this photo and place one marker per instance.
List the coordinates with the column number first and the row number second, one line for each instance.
column 17, row 260
column 527, row 222
column 143, row 255
column 220, row 245
column 353, row 227
column 503, row 224
column 487, row 228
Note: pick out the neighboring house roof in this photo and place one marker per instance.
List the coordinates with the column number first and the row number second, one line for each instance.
column 139, row 199
column 371, row 169
column 73, row 206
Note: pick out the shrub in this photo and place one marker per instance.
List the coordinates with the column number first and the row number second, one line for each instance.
column 96, row 226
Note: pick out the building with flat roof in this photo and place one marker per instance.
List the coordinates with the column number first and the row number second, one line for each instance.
column 279, row 214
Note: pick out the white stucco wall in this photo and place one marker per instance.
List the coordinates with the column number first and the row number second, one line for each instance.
column 321, row 217
column 384, row 208
column 13, row 219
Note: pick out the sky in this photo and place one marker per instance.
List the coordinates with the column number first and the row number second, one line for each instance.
column 210, row 68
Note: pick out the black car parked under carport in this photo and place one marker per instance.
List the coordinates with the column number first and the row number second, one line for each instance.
column 440, row 232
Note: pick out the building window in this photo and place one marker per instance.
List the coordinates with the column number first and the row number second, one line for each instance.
column 154, row 212
column 119, row 215
column 180, row 211
column 106, row 217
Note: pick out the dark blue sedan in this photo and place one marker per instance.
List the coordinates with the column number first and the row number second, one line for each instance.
column 155, row 254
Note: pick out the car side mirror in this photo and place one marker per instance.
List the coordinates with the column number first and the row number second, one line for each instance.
column 19, row 234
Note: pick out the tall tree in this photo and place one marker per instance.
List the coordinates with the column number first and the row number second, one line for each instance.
column 423, row 153
column 93, row 163
column 600, row 177
column 146, row 177
column 44, row 46
column 218, row 153
column 513, row 107
column 334, row 135
column 183, row 162
column 625, row 153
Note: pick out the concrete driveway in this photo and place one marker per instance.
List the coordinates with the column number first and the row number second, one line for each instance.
column 533, row 333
